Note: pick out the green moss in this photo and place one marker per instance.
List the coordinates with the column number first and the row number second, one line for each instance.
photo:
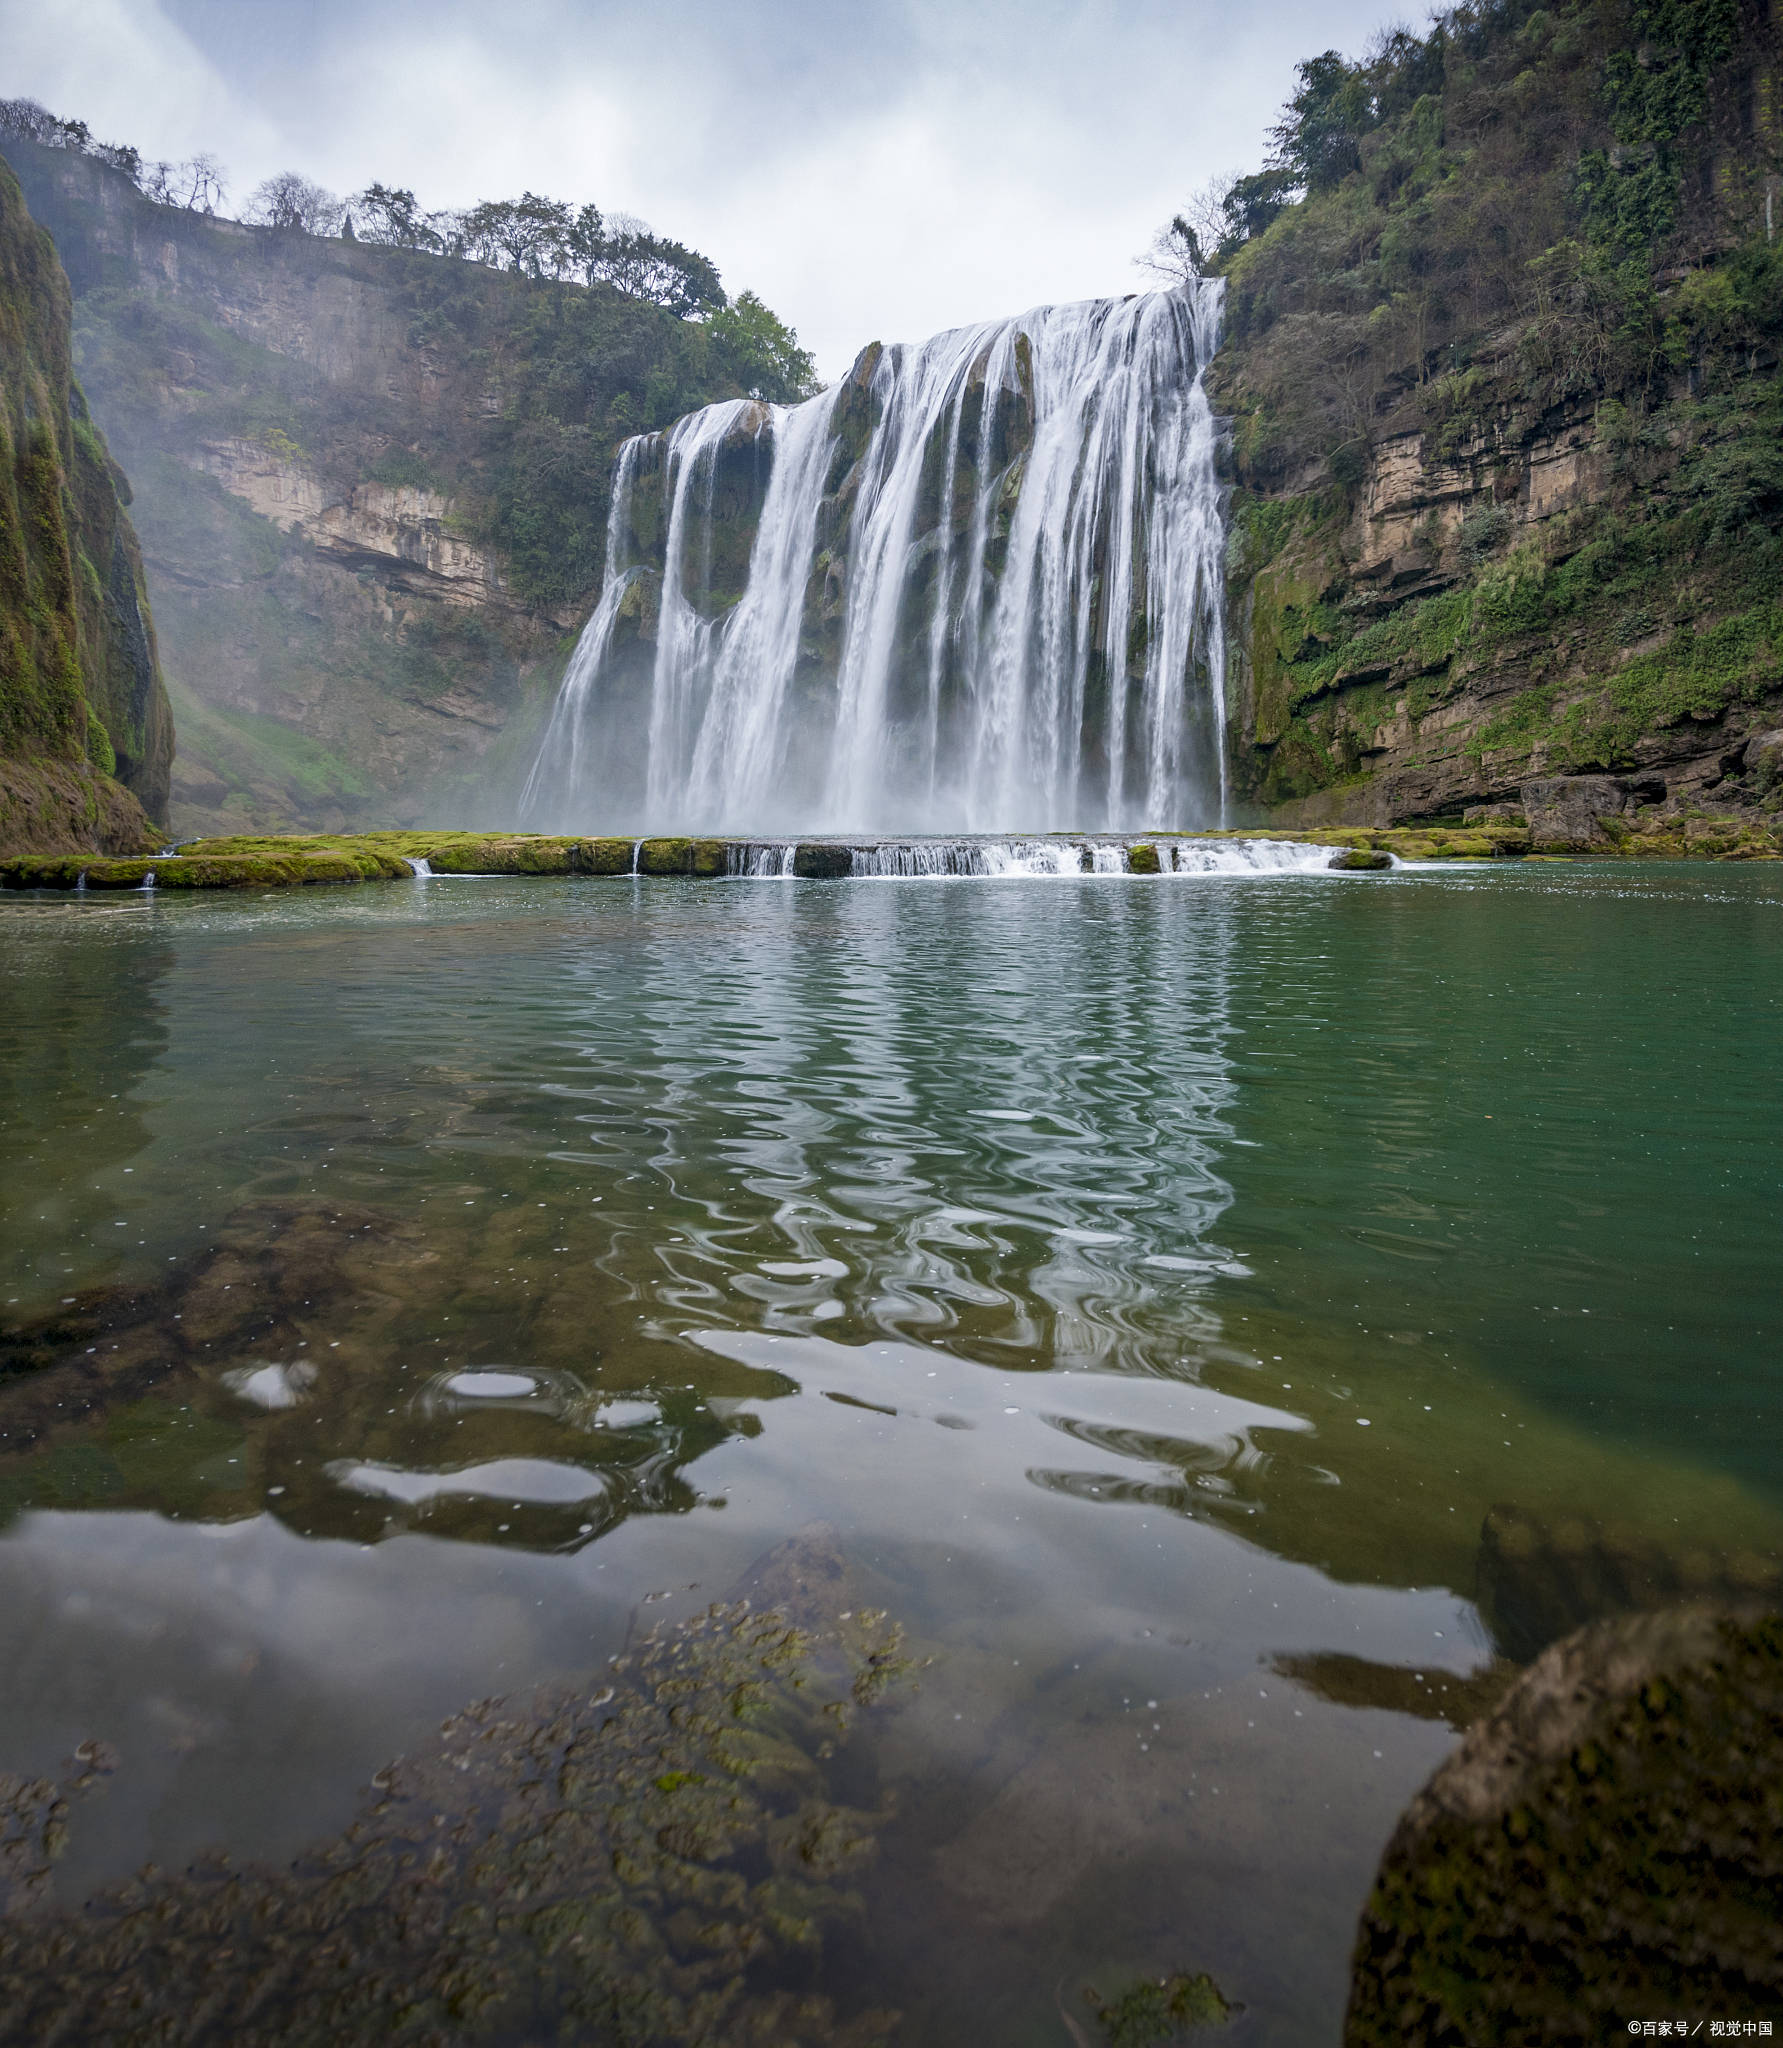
column 1149, row 2013
column 1142, row 859
column 650, row 1857
column 42, row 871
column 119, row 874
column 665, row 857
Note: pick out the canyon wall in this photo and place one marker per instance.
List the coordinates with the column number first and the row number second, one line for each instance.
column 370, row 484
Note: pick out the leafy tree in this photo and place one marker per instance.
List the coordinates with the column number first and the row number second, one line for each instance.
column 389, row 215
column 762, row 351
column 1332, row 108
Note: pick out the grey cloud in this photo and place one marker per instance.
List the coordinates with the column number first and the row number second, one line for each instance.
column 874, row 170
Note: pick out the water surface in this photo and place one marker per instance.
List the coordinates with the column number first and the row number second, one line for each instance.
column 1145, row 1290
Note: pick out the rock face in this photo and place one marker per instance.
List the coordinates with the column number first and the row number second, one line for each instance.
column 1571, row 813
column 1606, row 1845
column 86, row 735
column 370, row 487
column 1479, row 541
column 1360, row 663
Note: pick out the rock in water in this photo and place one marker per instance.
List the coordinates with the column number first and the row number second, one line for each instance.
column 1567, row 812
column 644, row 1862
column 1359, row 860
column 1607, row 1845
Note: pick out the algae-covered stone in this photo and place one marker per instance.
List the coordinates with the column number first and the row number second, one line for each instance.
column 119, row 874
column 43, row 870
column 1142, row 860
column 1158, row 2010
column 187, row 871
column 648, row 1860
column 1608, row 1844
column 1360, row 860
column 665, row 857
column 603, row 856
column 1537, row 1579
column 709, row 857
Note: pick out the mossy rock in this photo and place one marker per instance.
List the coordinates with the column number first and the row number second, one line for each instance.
column 1360, row 860
column 709, row 857
column 665, row 857
column 186, row 872
column 1607, row 1844
column 323, row 867
column 603, row 856
column 1152, row 2012
column 44, row 870
column 508, row 855
column 595, row 1862
column 1142, row 860
column 119, row 874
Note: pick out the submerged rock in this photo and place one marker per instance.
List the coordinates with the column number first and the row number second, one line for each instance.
column 647, row 1861
column 1538, row 1580
column 1607, row 1845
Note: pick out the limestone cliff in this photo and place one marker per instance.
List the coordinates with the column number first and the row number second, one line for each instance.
column 1508, row 425
column 371, row 489
column 86, row 736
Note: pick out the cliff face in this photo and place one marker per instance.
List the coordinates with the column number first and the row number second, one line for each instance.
column 370, row 485
column 86, row 735
column 1509, row 429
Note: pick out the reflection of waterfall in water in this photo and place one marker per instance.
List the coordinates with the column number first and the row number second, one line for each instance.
column 974, row 587
column 1010, row 1191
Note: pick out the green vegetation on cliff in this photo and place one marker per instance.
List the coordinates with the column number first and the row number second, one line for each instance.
column 82, row 709
column 1504, row 322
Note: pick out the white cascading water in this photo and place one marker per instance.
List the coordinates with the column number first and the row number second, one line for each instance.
column 1055, row 663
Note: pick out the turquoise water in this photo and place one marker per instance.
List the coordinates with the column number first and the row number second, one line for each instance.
column 1142, row 1289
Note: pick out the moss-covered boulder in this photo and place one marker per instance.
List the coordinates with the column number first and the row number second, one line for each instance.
column 1360, row 860
column 665, row 857
column 1606, row 1846
column 1142, row 859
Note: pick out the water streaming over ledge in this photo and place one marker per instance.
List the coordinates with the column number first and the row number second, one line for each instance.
column 973, row 588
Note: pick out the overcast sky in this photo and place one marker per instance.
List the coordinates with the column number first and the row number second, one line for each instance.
column 877, row 170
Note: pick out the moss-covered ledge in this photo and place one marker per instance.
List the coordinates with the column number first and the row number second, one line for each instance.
column 278, row 863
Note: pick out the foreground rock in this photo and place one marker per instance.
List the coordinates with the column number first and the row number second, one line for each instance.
column 1606, row 1846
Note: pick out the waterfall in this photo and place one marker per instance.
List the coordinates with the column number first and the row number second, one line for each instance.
column 976, row 587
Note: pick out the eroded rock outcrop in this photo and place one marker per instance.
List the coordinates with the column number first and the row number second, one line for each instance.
column 86, row 735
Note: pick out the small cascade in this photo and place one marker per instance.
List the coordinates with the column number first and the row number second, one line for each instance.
column 975, row 588
column 1241, row 857
column 420, row 868
column 761, row 863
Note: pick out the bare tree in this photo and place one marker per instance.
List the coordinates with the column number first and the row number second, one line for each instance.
column 1180, row 249
column 295, row 203
column 196, row 184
